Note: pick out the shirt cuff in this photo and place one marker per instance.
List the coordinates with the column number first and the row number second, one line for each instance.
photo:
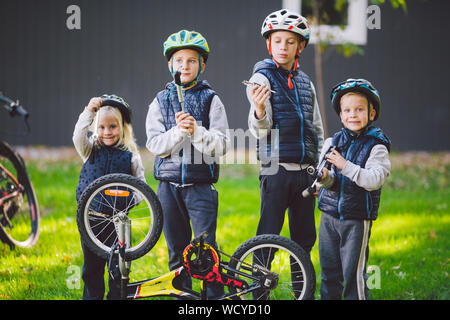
column 198, row 134
column 350, row 169
column 178, row 134
column 259, row 123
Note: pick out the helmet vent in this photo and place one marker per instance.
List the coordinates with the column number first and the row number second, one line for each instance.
column 182, row 35
column 301, row 25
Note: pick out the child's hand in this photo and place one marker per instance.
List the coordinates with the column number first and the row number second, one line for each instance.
column 185, row 122
column 259, row 96
column 316, row 193
column 94, row 104
column 324, row 174
column 335, row 158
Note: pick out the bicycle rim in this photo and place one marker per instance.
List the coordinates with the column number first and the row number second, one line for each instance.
column 287, row 268
column 19, row 215
column 100, row 227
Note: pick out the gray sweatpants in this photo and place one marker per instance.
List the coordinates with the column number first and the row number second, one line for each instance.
column 343, row 252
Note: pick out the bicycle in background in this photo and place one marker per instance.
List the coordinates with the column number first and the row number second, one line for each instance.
column 19, row 211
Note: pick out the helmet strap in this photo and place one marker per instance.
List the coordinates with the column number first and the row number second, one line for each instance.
column 369, row 109
column 171, row 66
column 269, row 47
column 293, row 69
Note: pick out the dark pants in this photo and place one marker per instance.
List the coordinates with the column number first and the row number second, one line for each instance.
column 93, row 277
column 94, row 267
column 343, row 251
column 283, row 191
column 183, row 206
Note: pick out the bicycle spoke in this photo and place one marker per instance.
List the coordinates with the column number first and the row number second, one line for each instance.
column 117, row 198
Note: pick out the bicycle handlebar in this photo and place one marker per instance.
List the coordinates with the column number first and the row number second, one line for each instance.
column 14, row 108
column 316, row 173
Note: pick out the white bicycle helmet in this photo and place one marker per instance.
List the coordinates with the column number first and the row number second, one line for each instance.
column 286, row 20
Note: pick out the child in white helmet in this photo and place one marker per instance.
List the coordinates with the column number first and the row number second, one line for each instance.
column 288, row 126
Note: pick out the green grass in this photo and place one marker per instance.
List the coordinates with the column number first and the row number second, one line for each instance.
column 409, row 244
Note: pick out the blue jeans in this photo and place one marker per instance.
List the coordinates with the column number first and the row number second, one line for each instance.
column 182, row 206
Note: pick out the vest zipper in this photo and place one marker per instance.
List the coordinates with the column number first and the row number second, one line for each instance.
column 107, row 164
column 183, row 163
column 183, row 168
column 299, row 109
column 341, row 191
column 369, row 204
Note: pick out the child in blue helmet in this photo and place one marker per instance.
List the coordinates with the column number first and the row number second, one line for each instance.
column 187, row 143
column 350, row 191
column 106, row 145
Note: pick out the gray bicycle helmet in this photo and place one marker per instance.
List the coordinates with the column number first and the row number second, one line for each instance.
column 119, row 103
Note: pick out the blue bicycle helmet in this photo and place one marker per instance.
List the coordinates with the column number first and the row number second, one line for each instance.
column 185, row 39
column 355, row 85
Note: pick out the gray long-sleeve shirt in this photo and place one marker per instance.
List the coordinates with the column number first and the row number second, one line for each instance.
column 371, row 177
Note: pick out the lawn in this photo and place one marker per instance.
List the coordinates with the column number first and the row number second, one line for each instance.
column 409, row 245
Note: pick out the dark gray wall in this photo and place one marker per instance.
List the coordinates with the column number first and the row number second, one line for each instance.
column 54, row 71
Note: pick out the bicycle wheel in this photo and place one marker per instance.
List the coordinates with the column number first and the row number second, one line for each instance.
column 117, row 195
column 283, row 269
column 19, row 211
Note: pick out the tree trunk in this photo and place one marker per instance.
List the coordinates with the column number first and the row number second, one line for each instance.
column 318, row 69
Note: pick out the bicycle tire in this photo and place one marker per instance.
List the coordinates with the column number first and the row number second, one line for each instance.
column 297, row 268
column 147, row 226
column 25, row 218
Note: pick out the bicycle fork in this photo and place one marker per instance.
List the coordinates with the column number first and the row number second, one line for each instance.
column 123, row 228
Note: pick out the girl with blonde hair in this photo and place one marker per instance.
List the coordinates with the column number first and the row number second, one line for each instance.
column 104, row 139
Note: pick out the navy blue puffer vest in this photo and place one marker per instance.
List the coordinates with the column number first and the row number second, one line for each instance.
column 292, row 115
column 103, row 161
column 190, row 167
column 345, row 199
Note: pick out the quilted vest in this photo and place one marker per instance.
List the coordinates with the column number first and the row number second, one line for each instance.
column 345, row 199
column 103, row 161
column 297, row 141
column 189, row 166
